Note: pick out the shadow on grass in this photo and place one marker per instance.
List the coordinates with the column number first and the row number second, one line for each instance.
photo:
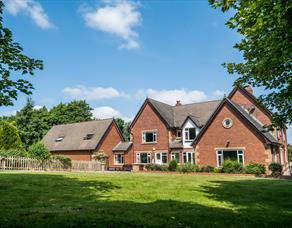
column 40, row 200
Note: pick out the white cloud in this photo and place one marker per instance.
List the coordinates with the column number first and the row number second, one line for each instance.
column 116, row 17
column 105, row 112
column 171, row 96
column 32, row 8
column 219, row 93
column 93, row 93
column 38, row 107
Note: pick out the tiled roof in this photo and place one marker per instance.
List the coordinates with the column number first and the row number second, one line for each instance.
column 76, row 136
column 176, row 144
column 122, row 146
column 176, row 115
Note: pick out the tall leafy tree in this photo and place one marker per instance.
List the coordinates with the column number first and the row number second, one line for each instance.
column 9, row 137
column 32, row 124
column 12, row 61
column 266, row 45
column 75, row 111
column 124, row 127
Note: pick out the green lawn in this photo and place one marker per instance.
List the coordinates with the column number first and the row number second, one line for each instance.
column 146, row 200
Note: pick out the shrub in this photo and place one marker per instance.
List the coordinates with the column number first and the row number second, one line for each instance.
column 172, row 165
column 156, row 167
column 9, row 137
column 232, row 167
column 39, row 151
column 207, row 169
column 255, row 168
column 217, row 170
column 66, row 161
column 100, row 156
column 188, row 167
column 13, row 153
column 276, row 169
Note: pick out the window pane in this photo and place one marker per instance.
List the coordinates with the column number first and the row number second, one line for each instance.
column 187, row 134
column 158, row 156
column 219, row 159
column 192, row 133
column 143, row 157
column 149, row 137
column 240, row 158
column 184, row 157
column 230, row 155
column 164, row 157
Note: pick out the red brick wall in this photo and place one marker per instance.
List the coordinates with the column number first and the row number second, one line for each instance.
column 241, row 99
column 75, row 155
column 149, row 120
column 111, row 139
column 240, row 135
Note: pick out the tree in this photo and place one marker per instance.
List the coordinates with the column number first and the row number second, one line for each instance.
column 9, row 137
column 266, row 28
column 39, row 151
column 11, row 61
column 32, row 124
column 75, row 111
column 124, row 127
column 290, row 152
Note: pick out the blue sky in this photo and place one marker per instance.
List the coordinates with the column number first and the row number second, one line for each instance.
column 116, row 53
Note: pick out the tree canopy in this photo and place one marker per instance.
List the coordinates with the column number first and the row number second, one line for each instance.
column 266, row 45
column 124, row 127
column 11, row 61
column 9, row 137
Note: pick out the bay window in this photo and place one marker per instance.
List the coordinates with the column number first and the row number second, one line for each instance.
column 233, row 155
column 143, row 158
column 188, row 157
column 119, row 159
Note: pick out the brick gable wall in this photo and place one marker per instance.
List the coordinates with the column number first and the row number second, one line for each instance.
column 240, row 136
column 149, row 120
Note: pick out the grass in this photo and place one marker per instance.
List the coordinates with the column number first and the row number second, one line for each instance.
column 142, row 200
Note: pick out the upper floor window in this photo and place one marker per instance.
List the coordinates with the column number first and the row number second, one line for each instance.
column 190, row 134
column 178, row 133
column 149, row 137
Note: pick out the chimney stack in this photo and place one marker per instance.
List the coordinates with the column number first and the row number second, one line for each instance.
column 249, row 89
column 178, row 103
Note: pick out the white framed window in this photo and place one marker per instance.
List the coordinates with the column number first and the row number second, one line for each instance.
column 188, row 157
column 275, row 154
column 175, row 156
column 161, row 158
column 233, row 155
column 119, row 159
column 149, row 137
column 178, row 133
column 143, row 158
column 190, row 134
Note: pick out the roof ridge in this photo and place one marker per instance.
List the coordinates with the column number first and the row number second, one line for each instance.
column 88, row 121
column 185, row 104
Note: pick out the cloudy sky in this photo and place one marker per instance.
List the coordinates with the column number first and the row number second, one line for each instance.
column 114, row 53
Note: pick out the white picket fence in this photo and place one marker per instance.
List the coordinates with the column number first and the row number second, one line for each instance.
column 13, row 163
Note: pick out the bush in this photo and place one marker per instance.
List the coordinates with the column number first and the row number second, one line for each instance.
column 13, row 153
column 172, row 165
column 156, row 167
column 255, row 168
column 100, row 156
column 39, row 151
column 217, row 170
column 187, row 168
column 207, row 169
column 232, row 167
column 276, row 169
column 66, row 161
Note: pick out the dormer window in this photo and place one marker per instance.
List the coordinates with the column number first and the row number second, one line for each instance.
column 190, row 134
column 88, row 136
column 60, row 139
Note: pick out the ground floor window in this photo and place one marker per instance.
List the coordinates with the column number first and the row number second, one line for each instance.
column 143, row 158
column 188, row 157
column 233, row 155
column 175, row 156
column 119, row 159
column 161, row 158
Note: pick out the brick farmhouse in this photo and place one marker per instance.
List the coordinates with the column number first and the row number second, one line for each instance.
column 204, row 133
